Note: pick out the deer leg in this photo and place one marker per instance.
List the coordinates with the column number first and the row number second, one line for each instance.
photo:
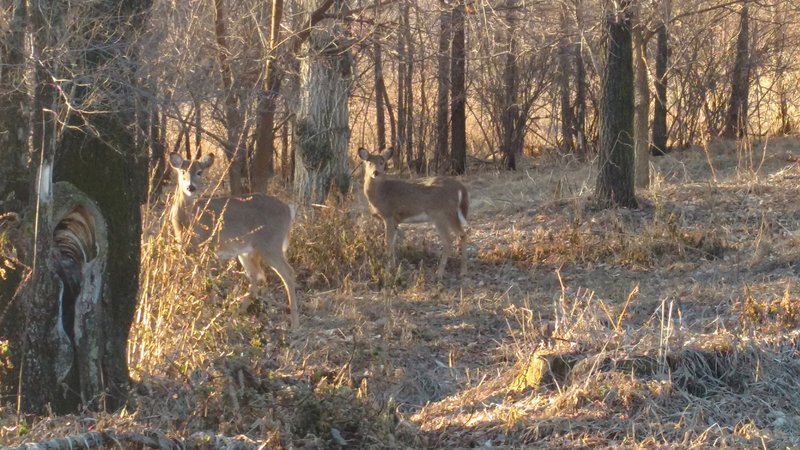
column 252, row 268
column 462, row 246
column 391, row 241
column 447, row 247
column 279, row 264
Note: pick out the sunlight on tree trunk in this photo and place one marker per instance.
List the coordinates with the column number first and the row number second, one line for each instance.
column 322, row 132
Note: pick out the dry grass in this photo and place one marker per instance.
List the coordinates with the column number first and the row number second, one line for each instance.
column 671, row 326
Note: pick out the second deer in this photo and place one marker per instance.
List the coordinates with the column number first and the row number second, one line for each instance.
column 441, row 200
column 254, row 228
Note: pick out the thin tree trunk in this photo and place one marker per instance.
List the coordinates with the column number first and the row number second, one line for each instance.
column 615, row 179
column 458, row 94
column 641, row 107
column 264, row 156
column 443, row 91
column 511, row 110
column 736, row 116
column 564, row 70
column 407, row 131
column 659, row 137
column 581, row 88
column 234, row 150
column 380, row 118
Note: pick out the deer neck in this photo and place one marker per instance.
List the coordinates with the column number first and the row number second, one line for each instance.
column 181, row 212
column 371, row 185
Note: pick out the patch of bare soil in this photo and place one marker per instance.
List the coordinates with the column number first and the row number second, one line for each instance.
column 674, row 325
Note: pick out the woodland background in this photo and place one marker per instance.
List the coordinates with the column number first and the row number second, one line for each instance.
column 615, row 297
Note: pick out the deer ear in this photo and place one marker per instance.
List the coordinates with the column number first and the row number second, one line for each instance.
column 176, row 161
column 206, row 161
column 387, row 153
column 363, row 153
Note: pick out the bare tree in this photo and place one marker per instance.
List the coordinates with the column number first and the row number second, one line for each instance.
column 615, row 179
column 322, row 124
column 458, row 92
column 443, row 89
column 736, row 116
column 658, row 141
column 264, row 156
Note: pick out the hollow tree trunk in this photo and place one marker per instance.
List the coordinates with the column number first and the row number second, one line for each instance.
column 72, row 349
column 615, row 179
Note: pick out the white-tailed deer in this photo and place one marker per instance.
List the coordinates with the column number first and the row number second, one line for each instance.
column 254, row 228
column 440, row 200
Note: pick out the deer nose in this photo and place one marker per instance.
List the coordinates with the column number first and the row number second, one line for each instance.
column 191, row 188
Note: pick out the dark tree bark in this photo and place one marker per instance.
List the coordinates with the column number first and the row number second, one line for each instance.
column 510, row 122
column 458, row 93
column 659, row 131
column 264, row 156
column 615, row 179
column 736, row 116
column 443, row 90
column 14, row 102
column 380, row 117
column 405, row 92
column 73, row 347
column 565, row 68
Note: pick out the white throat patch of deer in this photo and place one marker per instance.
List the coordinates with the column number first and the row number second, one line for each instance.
column 442, row 201
column 253, row 228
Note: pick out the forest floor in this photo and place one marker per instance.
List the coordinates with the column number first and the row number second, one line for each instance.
column 671, row 325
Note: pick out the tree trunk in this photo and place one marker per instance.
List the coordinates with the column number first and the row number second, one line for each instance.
column 406, row 132
column 264, row 156
column 736, row 116
column 380, row 118
column 234, row 123
column 615, row 179
column 458, row 93
column 641, row 107
column 581, row 88
column 73, row 346
column 659, row 137
column 14, row 126
column 443, row 91
column 321, row 129
column 511, row 110
column 564, row 70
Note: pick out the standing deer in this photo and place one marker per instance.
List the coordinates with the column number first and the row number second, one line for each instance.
column 254, row 228
column 440, row 200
